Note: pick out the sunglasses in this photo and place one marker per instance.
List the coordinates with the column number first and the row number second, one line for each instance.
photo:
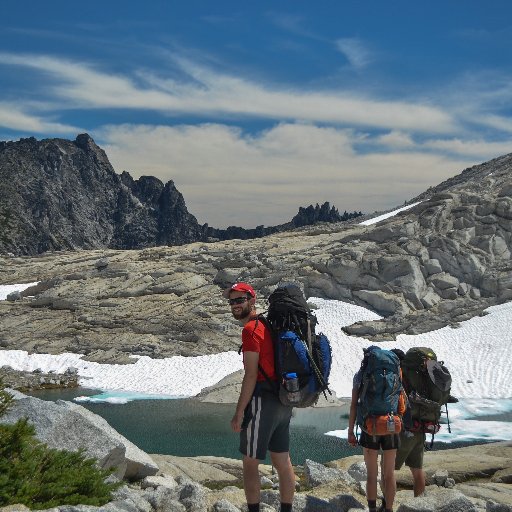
column 237, row 300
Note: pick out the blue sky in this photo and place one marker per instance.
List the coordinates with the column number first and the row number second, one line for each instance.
column 257, row 108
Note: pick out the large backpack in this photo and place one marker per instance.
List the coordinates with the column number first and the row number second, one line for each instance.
column 427, row 382
column 381, row 402
column 298, row 349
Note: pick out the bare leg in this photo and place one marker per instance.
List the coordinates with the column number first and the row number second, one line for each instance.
column 418, row 476
column 370, row 459
column 382, row 481
column 283, row 465
column 388, row 477
column 252, row 482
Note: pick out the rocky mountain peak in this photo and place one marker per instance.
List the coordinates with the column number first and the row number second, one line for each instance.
column 58, row 194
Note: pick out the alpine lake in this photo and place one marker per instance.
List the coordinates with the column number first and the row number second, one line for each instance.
column 188, row 427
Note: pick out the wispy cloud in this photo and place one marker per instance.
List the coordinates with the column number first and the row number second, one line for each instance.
column 355, row 51
column 14, row 118
column 209, row 93
column 471, row 148
column 292, row 23
column 396, row 139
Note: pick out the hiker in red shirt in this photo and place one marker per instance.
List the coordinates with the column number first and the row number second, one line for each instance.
column 261, row 419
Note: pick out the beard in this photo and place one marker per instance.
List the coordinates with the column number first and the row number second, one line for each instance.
column 241, row 312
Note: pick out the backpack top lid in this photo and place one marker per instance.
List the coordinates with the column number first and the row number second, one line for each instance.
column 289, row 310
column 416, row 357
column 288, row 297
column 376, row 358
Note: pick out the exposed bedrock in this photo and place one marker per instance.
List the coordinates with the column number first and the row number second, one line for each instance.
column 438, row 263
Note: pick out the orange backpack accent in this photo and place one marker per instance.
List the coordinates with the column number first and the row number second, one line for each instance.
column 383, row 425
column 402, row 399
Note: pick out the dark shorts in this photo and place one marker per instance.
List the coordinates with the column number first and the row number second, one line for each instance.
column 388, row 442
column 412, row 447
column 266, row 425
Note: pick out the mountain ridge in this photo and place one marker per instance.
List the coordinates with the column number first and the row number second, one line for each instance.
column 65, row 195
column 436, row 264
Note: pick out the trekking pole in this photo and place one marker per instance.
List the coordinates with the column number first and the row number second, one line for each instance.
column 448, row 418
column 316, row 370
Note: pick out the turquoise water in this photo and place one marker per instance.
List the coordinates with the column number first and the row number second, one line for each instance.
column 187, row 427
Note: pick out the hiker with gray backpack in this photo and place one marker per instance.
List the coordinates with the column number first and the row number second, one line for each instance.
column 377, row 407
column 427, row 383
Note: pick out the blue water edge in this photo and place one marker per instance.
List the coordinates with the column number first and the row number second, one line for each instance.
column 187, row 427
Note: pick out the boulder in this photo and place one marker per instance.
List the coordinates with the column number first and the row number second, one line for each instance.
column 492, row 506
column 440, row 477
column 201, row 469
column 68, row 426
column 193, row 496
column 318, row 474
column 13, row 296
column 163, row 499
column 346, row 502
column 443, row 281
column 383, row 303
column 432, row 266
column 430, row 299
column 133, row 496
column 503, row 476
column 358, row 471
column 157, row 481
column 498, row 492
column 301, row 502
column 224, row 506
column 437, row 499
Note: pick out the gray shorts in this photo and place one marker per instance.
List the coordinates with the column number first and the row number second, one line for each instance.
column 266, row 425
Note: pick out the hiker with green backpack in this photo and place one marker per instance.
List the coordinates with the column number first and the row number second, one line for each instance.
column 377, row 406
column 427, row 383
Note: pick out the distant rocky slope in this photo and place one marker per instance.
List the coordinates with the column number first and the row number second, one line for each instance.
column 438, row 263
column 57, row 194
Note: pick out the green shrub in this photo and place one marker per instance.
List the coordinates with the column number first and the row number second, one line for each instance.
column 6, row 399
column 40, row 477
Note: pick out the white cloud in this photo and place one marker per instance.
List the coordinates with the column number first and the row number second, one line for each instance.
column 211, row 93
column 499, row 122
column 230, row 178
column 471, row 148
column 13, row 118
column 396, row 139
column 354, row 51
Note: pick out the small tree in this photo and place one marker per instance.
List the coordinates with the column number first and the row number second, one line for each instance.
column 40, row 477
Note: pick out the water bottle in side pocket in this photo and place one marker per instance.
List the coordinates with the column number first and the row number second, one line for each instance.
column 291, row 384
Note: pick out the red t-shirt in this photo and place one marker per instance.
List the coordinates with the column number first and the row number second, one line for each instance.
column 256, row 337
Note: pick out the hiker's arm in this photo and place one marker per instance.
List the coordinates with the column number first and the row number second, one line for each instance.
column 248, row 383
column 352, row 417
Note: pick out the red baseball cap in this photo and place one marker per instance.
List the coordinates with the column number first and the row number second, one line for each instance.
column 239, row 287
